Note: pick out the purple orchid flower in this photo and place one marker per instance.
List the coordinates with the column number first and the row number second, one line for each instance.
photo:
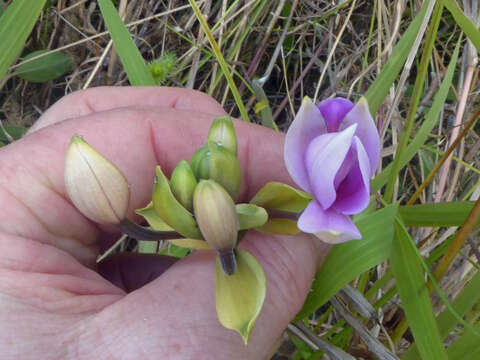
column 331, row 151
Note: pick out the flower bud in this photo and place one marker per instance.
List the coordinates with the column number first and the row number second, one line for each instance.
column 216, row 215
column 222, row 133
column 183, row 183
column 200, row 163
column 97, row 187
column 215, row 162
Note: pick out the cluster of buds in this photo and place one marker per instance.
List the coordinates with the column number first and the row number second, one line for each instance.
column 331, row 151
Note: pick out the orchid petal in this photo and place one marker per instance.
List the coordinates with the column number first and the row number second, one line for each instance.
column 324, row 157
column 327, row 225
column 308, row 124
column 353, row 194
column 334, row 110
column 366, row 131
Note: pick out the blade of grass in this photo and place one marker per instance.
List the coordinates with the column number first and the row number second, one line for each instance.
column 464, row 22
column 133, row 62
column 439, row 164
column 431, row 120
column 422, row 70
column 436, row 214
column 16, row 24
column 416, row 302
column 466, row 346
column 377, row 232
column 221, row 61
column 379, row 89
column 447, row 321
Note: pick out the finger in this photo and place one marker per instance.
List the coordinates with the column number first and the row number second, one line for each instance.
column 136, row 139
column 86, row 102
column 174, row 316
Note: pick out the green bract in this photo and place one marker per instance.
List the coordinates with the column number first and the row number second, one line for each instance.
column 182, row 183
column 240, row 297
column 171, row 210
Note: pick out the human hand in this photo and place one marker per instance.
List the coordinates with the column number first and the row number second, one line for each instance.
column 54, row 304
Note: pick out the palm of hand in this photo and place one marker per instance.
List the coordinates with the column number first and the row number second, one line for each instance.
column 53, row 303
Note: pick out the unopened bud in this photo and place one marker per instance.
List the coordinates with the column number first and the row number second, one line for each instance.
column 183, row 183
column 222, row 133
column 215, row 162
column 97, row 187
column 217, row 219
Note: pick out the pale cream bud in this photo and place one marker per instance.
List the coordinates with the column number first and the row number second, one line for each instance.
column 215, row 214
column 97, row 187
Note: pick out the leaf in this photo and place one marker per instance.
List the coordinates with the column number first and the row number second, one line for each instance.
column 278, row 196
column 466, row 346
column 250, row 216
column 464, row 22
column 155, row 221
column 239, row 297
column 410, row 281
column 280, row 226
column 436, row 214
column 13, row 131
column 379, row 89
column 46, row 68
column 447, row 321
column 137, row 71
column 15, row 26
column 431, row 120
column 348, row 260
column 170, row 210
column 193, row 244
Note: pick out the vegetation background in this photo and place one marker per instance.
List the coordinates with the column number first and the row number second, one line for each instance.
column 411, row 288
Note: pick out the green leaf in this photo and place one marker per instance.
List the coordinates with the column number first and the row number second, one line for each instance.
column 410, row 281
column 250, row 216
column 170, row 210
column 15, row 26
column 175, row 251
column 348, row 260
column 447, row 321
column 437, row 214
column 464, row 22
column 193, row 244
column 280, row 226
column 278, row 196
column 431, row 120
column 13, row 131
column 155, row 221
column 137, row 71
column 466, row 346
column 46, row 68
column 379, row 89
column 239, row 297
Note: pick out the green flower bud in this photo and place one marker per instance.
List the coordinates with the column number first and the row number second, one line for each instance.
column 182, row 183
column 217, row 219
column 222, row 133
column 200, row 163
column 215, row 162
column 97, row 187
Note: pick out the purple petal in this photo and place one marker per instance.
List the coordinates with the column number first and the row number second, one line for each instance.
column 353, row 194
column 329, row 226
column 333, row 111
column 324, row 157
column 366, row 131
column 307, row 125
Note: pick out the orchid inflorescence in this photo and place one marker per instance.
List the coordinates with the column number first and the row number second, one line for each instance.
column 331, row 152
